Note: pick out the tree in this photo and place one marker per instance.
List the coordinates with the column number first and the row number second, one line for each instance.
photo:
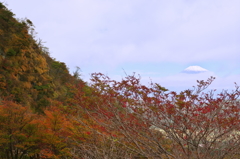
column 154, row 123
column 18, row 131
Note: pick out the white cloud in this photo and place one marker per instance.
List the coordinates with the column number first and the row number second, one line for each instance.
column 119, row 31
column 100, row 35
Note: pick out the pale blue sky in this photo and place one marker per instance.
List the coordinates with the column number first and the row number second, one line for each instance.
column 155, row 38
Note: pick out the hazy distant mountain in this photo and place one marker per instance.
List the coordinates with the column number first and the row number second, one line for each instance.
column 194, row 70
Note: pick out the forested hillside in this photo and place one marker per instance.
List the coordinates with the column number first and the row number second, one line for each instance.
column 45, row 112
column 27, row 72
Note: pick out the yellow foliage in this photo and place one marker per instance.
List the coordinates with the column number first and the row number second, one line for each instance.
column 55, row 94
column 39, row 70
column 27, row 85
column 1, row 32
column 23, row 50
column 23, row 68
column 30, row 78
column 34, row 93
column 26, row 65
column 2, row 85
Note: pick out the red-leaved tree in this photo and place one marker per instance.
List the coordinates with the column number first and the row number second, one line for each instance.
column 155, row 123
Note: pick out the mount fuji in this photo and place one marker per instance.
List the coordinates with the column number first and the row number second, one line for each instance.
column 194, row 70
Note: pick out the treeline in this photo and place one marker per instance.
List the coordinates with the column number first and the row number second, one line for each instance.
column 110, row 119
column 45, row 112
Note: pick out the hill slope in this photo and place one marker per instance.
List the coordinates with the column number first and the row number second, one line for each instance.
column 27, row 73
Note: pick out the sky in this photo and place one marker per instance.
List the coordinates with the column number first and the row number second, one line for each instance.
column 156, row 39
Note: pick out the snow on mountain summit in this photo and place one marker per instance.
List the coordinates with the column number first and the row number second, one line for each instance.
column 194, row 69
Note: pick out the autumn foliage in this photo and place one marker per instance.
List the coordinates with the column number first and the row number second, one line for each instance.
column 28, row 73
column 45, row 112
column 155, row 123
column 24, row 133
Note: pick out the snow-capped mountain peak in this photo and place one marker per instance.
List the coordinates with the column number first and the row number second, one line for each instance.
column 194, row 69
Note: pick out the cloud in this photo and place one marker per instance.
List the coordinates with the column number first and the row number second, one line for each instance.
column 113, row 32
column 101, row 36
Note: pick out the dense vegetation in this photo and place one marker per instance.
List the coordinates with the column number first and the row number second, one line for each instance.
column 28, row 73
column 45, row 112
